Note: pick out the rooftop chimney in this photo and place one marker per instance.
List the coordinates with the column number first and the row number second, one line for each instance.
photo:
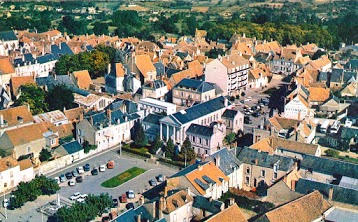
column 330, row 193
column 109, row 114
column 256, row 161
column 165, row 191
column 1, row 120
column 161, row 207
column 217, row 161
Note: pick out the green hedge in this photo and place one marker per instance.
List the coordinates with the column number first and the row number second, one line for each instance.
column 175, row 163
column 123, row 177
column 129, row 150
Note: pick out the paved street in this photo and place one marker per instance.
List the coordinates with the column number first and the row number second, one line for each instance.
column 92, row 184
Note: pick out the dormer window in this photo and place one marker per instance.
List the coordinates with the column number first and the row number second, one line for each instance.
column 20, row 119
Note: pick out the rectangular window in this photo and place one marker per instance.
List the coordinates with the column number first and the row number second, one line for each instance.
column 275, row 175
column 247, row 180
column 175, row 217
column 263, row 173
column 247, row 170
column 188, row 210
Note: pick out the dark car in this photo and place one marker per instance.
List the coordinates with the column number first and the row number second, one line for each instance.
column 75, row 173
column 256, row 114
column 106, row 219
column 87, row 167
column 123, row 198
column 160, row 178
column 68, row 175
column 94, row 172
column 115, row 203
column 79, row 179
column 62, row 178
column 129, row 206
column 247, row 120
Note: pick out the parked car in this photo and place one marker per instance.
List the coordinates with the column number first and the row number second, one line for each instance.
column 74, row 173
column 80, row 170
column 130, row 194
column 256, row 114
column 153, row 182
column 110, row 164
column 106, row 219
column 87, row 167
column 123, row 198
column 68, row 175
column 82, row 198
column 248, row 99
column 62, row 178
column 75, row 196
column 71, row 183
column 102, row 168
column 94, row 172
column 160, row 178
column 79, row 179
column 58, row 181
column 114, row 203
column 129, row 206
column 5, row 203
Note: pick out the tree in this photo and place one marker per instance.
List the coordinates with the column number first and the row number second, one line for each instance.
column 188, row 150
column 2, row 153
column 88, row 147
column 230, row 138
column 59, row 97
column 169, row 149
column 100, row 28
column 331, row 153
column 33, row 96
column 45, row 155
column 318, row 54
column 156, row 144
column 139, row 138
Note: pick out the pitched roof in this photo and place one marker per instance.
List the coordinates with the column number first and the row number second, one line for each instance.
column 307, row 208
column 120, row 71
column 234, row 61
column 319, row 63
column 256, row 73
column 207, row 204
column 52, row 116
column 6, row 67
column 196, row 85
column 17, row 115
column 199, row 110
column 268, row 46
column 230, row 113
column 228, row 161
column 153, row 118
column 25, row 164
column 83, row 79
column 74, row 113
column 205, row 176
column 330, row 166
column 230, row 214
column 263, row 159
column 283, row 123
column 270, row 144
column 72, row 147
column 8, row 36
column 17, row 82
column 144, row 64
column 201, row 130
column 7, row 163
column 177, row 200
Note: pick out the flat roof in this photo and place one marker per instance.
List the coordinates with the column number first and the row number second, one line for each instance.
column 342, row 214
column 156, row 102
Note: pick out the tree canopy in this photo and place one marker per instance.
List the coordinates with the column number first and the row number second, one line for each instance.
column 59, row 97
column 140, row 139
column 169, row 149
column 187, row 150
column 33, row 96
column 45, row 155
column 156, row 144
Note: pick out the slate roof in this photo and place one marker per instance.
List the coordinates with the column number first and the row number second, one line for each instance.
column 132, row 214
column 131, row 107
column 323, row 76
column 352, row 64
column 153, row 118
column 348, row 75
column 201, row 130
column 196, row 85
column 51, row 81
column 171, row 72
column 203, row 203
column 156, row 84
column 340, row 194
column 160, row 68
column 349, row 133
column 336, row 75
column 199, row 110
column 249, row 156
column 329, row 166
column 59, row 51
column 228, row 161
column 72, row 147
column 101, row 119
column 230, row 113
column 8, row 36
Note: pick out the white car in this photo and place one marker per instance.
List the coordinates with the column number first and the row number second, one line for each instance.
column 131, row 194
column 82, row 198
column 102, row 168
column 75, row 196
column 80, row 170
column 57, row 180
column 72, row 183
column 5, row 203
column 248, row 99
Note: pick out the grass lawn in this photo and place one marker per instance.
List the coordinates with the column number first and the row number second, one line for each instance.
column 123, row 177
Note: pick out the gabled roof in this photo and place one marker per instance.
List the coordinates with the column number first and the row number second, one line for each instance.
column 230, row 214
column 16, row 116
column 263, row 159
column 304, row 209
column 7, row 163
column 83, row 79
column 6, row 67
column 153, row 118
column 205, row 176
column 74, row 113
column 203, row 203
column 17, row 82
column 283, row 123
column 119, row 70
column 52, row 116
column 160, row 68
column 195, row 85
column 230, row 113
column 177, row 200
column 329, row 166
column 234, row 61
column 270, row 144
column 8, row 36
column 256, row 73
column 144, row 64
column 132, row 214
column 156, row 84
column 337, row 75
